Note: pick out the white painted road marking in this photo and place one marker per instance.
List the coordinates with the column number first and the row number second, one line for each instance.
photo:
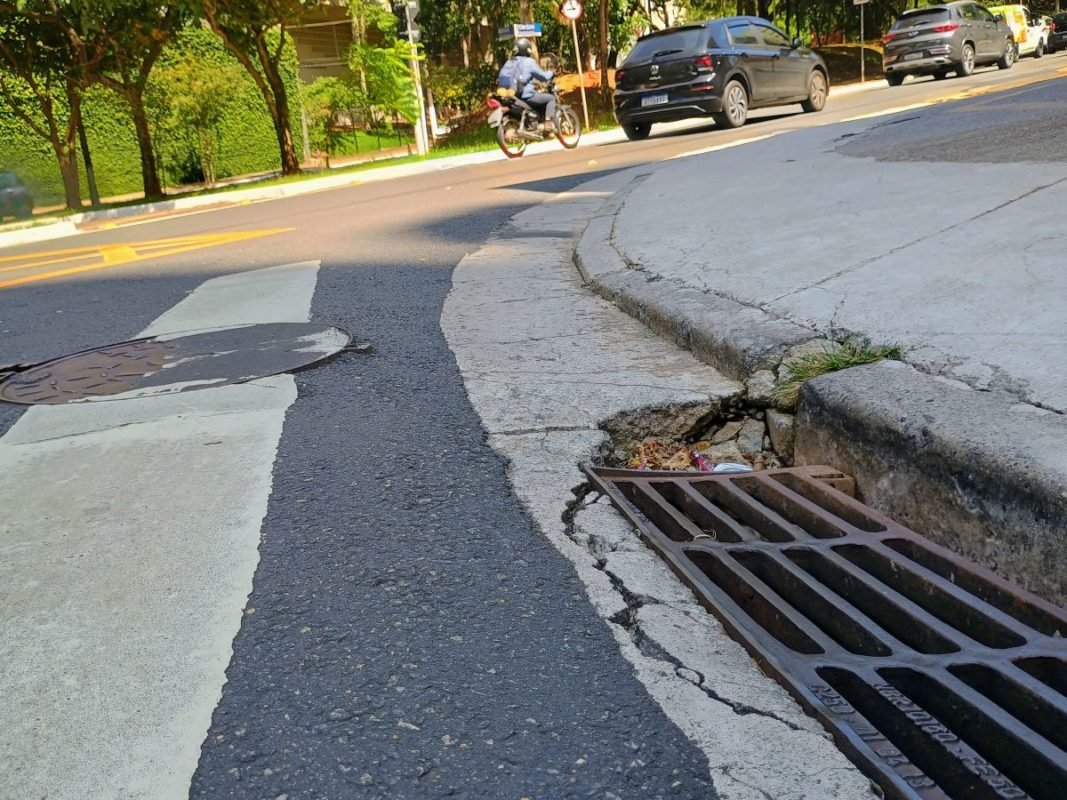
column 127, row 550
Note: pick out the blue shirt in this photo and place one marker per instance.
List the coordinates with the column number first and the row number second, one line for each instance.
column 528, row 70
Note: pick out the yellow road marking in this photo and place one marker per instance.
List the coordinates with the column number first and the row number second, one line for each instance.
column 966, row 94
column 113, row 255
column 990, row 105
column 122, row 254
column 46, row 262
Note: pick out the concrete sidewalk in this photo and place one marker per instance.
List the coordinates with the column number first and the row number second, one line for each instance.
column 939, row 231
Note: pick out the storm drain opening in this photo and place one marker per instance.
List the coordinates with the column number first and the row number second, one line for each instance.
column 939, row 679
column 174, row 363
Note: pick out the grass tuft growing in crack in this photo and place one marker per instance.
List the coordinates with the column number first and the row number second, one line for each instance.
column 832, row 358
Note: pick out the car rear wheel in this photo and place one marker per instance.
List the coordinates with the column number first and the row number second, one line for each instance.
column 23, row 211
column 894, row 78
column 1039, row 50
column 635, row 131
column 1007, row 58
column 734, row 106
column 817, row 91
column 965, row 66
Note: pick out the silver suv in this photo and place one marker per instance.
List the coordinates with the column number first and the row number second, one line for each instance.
column 937, row 40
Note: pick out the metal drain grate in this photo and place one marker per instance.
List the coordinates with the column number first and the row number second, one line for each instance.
column 938, row 678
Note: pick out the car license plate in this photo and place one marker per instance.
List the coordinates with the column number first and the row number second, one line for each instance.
column 653, row 100
column 913, row 56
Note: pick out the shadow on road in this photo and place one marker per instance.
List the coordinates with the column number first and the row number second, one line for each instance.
column 560, row 183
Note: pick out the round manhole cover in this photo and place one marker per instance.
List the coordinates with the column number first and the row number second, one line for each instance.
column 166, row 365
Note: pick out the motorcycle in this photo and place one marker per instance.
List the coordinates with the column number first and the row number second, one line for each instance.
column 517, row 123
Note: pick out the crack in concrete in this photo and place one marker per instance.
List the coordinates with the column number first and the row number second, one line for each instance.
column 619, row 201
column 546, row 429
column 627, row 620
column 726, row 771
column 868, row 261
column 578, row 381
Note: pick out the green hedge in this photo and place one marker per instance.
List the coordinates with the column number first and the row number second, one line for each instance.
column 246, row 136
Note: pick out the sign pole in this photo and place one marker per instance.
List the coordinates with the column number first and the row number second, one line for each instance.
column 863, row 60
column 422, row 143
column 573, row 10
column 581, row 72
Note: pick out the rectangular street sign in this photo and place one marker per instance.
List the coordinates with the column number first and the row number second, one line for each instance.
column 519, row 29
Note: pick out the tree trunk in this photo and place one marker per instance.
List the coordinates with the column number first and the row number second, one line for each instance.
column 149, row 168
column 602, row 53
column 287, row 150
column 65, row 147
column 69, row 170
column 87, row 158
column 269, row 82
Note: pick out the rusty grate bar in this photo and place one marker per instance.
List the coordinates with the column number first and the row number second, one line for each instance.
column 938, row 678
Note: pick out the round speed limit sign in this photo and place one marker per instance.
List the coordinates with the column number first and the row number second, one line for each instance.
column 571, row 9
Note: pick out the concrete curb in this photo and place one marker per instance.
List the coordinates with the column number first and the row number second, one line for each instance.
column 734, row 338
column 856, row 87
column 978, row 471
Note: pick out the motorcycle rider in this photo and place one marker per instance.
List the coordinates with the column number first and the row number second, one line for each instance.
column 527, row 69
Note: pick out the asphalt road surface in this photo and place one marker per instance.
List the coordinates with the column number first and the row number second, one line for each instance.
column 408, row 633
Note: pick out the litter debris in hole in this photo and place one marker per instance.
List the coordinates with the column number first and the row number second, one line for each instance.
column 737, row 445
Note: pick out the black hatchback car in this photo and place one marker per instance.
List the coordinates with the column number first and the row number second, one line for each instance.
column 722, row 68
column 15, row 199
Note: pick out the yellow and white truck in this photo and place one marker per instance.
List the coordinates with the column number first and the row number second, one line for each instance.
column 1029, row 29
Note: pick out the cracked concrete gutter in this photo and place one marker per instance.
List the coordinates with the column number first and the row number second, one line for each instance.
column 965, row 444
column 554, row 372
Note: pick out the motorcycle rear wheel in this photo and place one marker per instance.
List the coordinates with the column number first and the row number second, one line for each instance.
column 568, row 127
column 507, row 136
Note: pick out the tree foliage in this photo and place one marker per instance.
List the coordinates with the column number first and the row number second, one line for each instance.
column 381, row 61
column 196, row 96
column 134, row 33
column 329, row 103
column 114, row 43
column 44, row 72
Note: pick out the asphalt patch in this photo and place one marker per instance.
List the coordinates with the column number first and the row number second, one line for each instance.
column 1015, row 126
column 411, row 633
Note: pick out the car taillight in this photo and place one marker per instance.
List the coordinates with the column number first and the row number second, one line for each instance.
column 1052, row 26
column 952, row 26
column 493, row 103
column 619, row 75
column 703, row 62
column 888, row 38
